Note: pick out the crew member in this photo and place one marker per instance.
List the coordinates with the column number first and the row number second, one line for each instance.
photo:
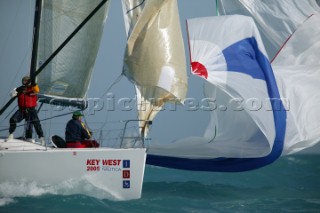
column 27, row 102
column 77, row 134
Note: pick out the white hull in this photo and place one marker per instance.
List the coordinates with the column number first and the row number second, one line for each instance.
column 118, row 172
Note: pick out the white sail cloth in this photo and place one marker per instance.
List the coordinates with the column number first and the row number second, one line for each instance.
column 68, row 76
column 154, row 59
column 291, row 28
column 276, row 19
column 297, row 71
column 228, row 52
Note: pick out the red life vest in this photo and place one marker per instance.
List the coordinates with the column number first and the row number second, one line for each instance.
column 27, row 98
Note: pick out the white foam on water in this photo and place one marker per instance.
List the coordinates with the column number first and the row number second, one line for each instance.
column 6, row 201
column 10, row 190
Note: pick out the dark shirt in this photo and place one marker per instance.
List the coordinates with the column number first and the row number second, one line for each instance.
column 75, row 131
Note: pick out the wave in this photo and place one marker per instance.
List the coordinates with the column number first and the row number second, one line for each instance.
column 14, row 189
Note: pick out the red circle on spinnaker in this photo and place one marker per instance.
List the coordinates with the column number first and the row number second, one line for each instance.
column 199, row 69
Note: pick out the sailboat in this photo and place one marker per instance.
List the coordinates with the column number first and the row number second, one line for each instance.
column 235, row 140
column 65, row 45
column 258, row 110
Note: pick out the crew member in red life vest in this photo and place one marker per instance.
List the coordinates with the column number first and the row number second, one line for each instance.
column 77, row 134
column 27, row 102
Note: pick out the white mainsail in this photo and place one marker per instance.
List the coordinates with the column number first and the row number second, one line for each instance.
column 154, row 58
column 68, row 76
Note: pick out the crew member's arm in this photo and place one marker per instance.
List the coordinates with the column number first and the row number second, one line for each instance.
column 85, row 131
column 14, row 93
column 20, row 89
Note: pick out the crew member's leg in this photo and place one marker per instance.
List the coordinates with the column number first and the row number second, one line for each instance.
column 15, row 118
column 36, row 122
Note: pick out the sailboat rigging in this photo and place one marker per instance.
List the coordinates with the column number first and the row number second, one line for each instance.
column 33, row 71
column 35, row 39
column 89, row 164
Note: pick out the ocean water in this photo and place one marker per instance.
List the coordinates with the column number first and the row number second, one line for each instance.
column 291, row 184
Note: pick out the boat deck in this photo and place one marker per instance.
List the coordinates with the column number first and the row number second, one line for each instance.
column 21, row 145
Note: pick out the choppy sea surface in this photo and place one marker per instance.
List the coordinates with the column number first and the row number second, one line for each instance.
column 291, row 184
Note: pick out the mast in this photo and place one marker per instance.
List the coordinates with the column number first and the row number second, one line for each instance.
column 36, row 30
column 35, row 38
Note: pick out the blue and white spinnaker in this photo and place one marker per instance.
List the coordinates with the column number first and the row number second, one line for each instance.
column 229, row 54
